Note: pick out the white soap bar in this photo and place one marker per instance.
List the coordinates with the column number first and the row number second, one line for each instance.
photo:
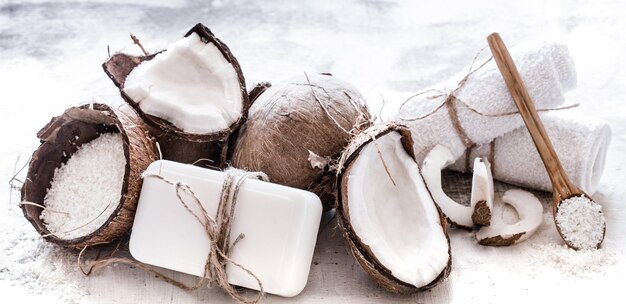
column 280, row 226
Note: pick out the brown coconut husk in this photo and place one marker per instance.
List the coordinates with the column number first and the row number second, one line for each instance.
column 176, row 144
column 360, row 251
column 61, row 138
column 291, row 122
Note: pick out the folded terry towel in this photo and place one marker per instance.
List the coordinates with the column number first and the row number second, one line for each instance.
column 547, row 70
column 580, row 142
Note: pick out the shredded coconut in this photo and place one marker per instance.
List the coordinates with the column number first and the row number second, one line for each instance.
column 33, row 270
column 581, row 222
column 86, row 190
column 575, row 263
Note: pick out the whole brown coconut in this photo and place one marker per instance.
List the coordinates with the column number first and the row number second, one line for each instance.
column 296, row 129
column 61, row 138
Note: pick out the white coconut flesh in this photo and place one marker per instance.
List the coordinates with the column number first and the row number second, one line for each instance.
column 481, row 200
column 399, row 223
column 437, row 159
column 191, row 85
column 503, row 232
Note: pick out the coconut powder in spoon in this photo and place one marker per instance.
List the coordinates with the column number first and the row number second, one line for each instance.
column 581, row 222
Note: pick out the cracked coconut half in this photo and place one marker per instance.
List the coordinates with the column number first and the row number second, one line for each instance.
column 192, row 95
column 388, row 218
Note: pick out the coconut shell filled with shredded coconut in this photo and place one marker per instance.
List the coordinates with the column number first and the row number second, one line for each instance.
column 84, row 180
column 192, row 95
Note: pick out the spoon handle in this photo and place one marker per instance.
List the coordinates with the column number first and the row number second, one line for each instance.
column 561, row 185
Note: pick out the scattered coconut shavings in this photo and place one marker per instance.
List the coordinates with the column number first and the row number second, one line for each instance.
column 318, row 161
column 35, row 270
column 575, row 263
column 86, row 190
column 581, row 222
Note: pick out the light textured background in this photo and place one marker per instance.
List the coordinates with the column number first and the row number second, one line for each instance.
column 50, row 56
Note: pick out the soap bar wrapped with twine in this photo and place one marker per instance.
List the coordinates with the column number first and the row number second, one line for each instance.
column 217, row 230
column 475, row 106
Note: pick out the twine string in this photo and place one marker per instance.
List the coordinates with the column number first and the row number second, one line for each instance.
column 450, row 99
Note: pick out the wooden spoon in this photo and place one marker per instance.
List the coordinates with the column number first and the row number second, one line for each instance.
column 562, row 187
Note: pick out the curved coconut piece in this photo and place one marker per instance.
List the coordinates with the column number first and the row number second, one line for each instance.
column 437, row 159
column 295, row 130
column 500, row 233
column 61, row 138
column 192, row 95
column 481, row 200
column 389, row 220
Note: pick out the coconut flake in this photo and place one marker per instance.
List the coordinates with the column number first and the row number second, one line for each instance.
column 318, row 161
column 581, row 222
column 86, row 190
column 192, row 85
column 437, row 159
column 481, row 200
column 503, row 233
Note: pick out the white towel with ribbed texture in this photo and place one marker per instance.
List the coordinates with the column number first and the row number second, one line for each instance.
column 580, row 142
column 547, row 70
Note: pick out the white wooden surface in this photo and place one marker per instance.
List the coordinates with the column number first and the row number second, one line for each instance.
column 50, row 56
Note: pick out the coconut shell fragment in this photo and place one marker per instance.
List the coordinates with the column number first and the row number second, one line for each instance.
column 61, row 138
column 297, row 129
column 163, row 81
column 390, row 222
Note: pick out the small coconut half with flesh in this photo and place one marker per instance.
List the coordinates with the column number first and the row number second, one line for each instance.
column 503, row 233
column 388, row 218
column 84, row 180
column 192, row 95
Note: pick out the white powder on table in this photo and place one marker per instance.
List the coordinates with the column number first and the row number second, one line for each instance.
column 574, row 263
column 86, row 190
column 581, row 222
column 34, row 270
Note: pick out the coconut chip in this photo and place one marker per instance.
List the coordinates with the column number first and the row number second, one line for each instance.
column 501, row 233
column 318, row 161
column 437, row 159
column 481, row 200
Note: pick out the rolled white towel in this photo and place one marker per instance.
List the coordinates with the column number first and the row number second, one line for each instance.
column 547, row 69
column 580, row 142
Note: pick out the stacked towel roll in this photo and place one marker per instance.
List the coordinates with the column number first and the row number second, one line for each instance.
column 580, row 142
column 547, row 70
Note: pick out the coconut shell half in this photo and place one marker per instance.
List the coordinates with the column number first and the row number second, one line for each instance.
column 175, row 143
column 389, row 207
column 61, row 138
